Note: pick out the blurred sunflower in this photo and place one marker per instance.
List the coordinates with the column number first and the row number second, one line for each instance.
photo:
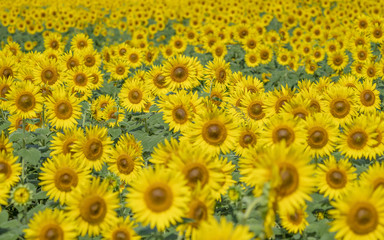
column 165, row 152
column 159, row 197
column 121, row 230
column 335, row 178
column 5, row 144
column 130, row 141
column 126, row 162
column 62, row 143
column 50, row 224
column 253, row 106
column 90, row 58
column 81, row 42
column 6, row 84
column 294, row 222
column 92, row 207
column 276, row 99
column 338, row 60
column 25, row 100
column 61, row 176
column 226, row 169
column 369, row 97
column 248, row 137
column 155, row 80
column 359, row 215
column 134, row 57
column 118, row 68
column 133, row 95
column 93, row 149
column 21, row 195
column 373, row 177
column 10, row 168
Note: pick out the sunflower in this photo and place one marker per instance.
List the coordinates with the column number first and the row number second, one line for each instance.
column 62, row 143
column 370, row 70
column 118, row 68
column 5, row 144
column 159, row 197
column 276, row 99
column 47, row 72
column 201, row 208
column 25, row 100
column 121, row 230
column 226, row 168
column 133, row 95
column 341, row 104
column 135, row 57
column 61, row 176
column 322, row 135
column 252, row 59
column 92, row 207
column 265, row 54
column 63, row 109
column 248, row 137
column 79, row 79
column 165, row 152
column 100, row 104
column 54, row 41
column 81, row 42
column 377, row 120
column 250, row 84
column 50, row 224
column 359, row 215
column 335, row 179
column 93, row 149
column 376, row 33
column 126, row 163
column 130, row 141
column 294, row 222
column 214, row 129
column 282, row 127
column 21, row 195
column 6, row 84
column 90, row 58
column 362, row 53
column 357, row 138
column 10, row 169
column 70, row 60
column 373, row 176
column 113, row 115
column 223, row 230
column 349, row 80
column 338, row 60
column 180, row 72
column 96, row 79
column 167, row 51
column 218, row 71
column 177, row 111
column 298, row 107
column 155, row 80
column 219, row 49
column 8, row 66
column 369, row 97
column 178, row 43
column 253, row 106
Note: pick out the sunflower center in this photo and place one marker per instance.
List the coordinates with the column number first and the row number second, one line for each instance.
column 336, row 179
column 54, row 44
column 93, row 209
column 120, row 70
column 340, row 108
column 318, row 137
column 357, row 140
column 6, row 72
column 377, row 33
column 5, row 169
column 26, row 102
column 221, row 75
column 80, row 79
column 89, row 61
column 135, row 96
column 295, row 218
column 125, row 164
column 255, row 111
column 378, row 182
column 367, row 98
column 65, row 179
column 4, row 91
column 284, row 133
column 81, row 44
column 179, row 115
column 120, row 235
column 122, row 51
column 247, row 139
column 133, row 58
column 93, row 149
column 64, row 110
column 197, row 173
column 159, row 197
column 363, row 24
column 159, row 81
column 67, row 146
column 363, row 218
column 264, row 55
column 51, row 232
column 180, row 74
column 214, row 132
column 289, row 180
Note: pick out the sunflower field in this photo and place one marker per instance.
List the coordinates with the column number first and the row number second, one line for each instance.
column 191, row 119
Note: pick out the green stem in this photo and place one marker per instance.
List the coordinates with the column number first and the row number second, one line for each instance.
column 249, row 210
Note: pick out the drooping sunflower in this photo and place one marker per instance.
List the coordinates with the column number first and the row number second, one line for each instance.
column 177, row 111
column 159, row 197
column 341, row 104
column 321, row 134
column 223, row 230
column 92, row 207
column 93, row 149
column 294, row 222
column 335, row 178
column 61, row 176
column 179, row 73
column 359, row 215
column 126, row 163
column 50, row 224
column 134, row 95
column 10, row 168
column 282, row 127
column 213, row 129
column 25, row 100
column 357, row 138
column 63, row 109
column 121, row 230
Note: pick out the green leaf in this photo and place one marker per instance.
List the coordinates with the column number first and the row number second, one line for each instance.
column 3, row 216
column 31, row 155
column 114, row 132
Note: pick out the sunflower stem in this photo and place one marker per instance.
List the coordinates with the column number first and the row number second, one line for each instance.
column 249, row 210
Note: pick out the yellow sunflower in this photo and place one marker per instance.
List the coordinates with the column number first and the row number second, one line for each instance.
column 218, row 71
column 121, row 230
column 25, row 100
column 135, row 57
column 90, row 58
column 130, row 141
column 21, row 195
column 165, row 152
column 62, row 143
column 5, row 144
column 338, row 60
column 134, row 95
column 10, row 168
column 159, row 197
column 223, row 230
column 335, row 179
column 81, row 42
column 377, row 120
column 369, row 97
column 126, row 163
column 92, row 207
column 93, row 149
column 357, row 138
column 63, row 109
column 6, row 84
column 322, row 135
column 276, row 99
column 226, row 169
column 180, row 72
column 61, row 176
column 294, row 222
column 50, row 224
column 47, row 72
column 79, row 79
column 118, row 68
column 249, row 134
column 373, row 177
column 155, row 80
column 359, row 215
column 213, row 129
